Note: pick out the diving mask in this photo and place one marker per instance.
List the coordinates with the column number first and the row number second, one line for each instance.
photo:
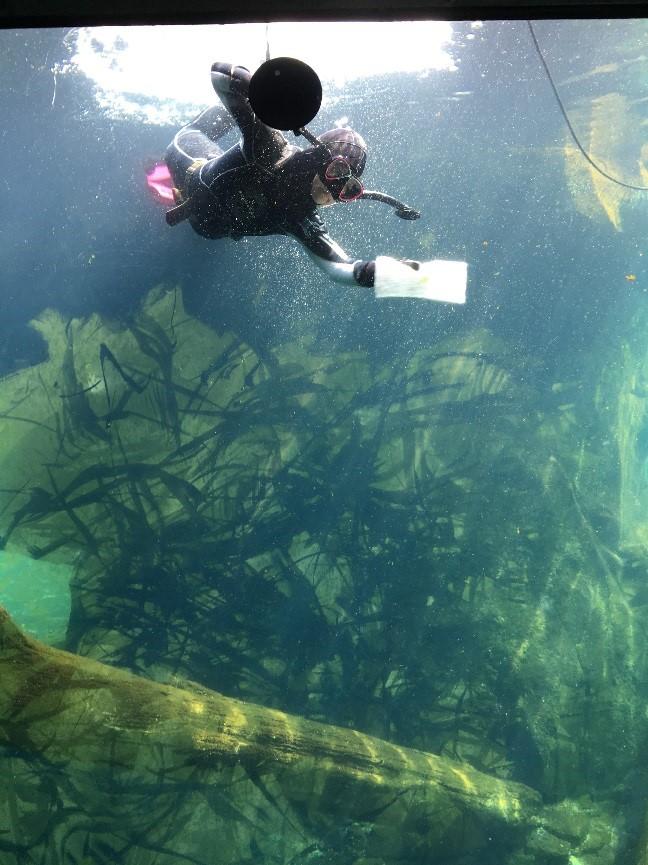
column 341, row 181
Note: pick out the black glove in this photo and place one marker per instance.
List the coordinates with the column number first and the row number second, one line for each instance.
column 230, row 79
column 406, row 212
column 364, row 273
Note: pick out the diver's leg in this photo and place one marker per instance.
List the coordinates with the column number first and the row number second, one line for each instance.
column 260, row 143
column 197, row 140
column 188, row 145
column 214, row 122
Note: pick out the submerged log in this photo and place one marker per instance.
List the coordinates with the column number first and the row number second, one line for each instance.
column 72, row 710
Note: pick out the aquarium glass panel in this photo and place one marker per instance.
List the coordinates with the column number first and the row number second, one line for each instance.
column 324, row 423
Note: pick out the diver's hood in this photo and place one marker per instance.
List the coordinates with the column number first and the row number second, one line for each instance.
column 402, row 210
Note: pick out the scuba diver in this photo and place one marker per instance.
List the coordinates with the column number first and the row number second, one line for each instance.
column 264, row 185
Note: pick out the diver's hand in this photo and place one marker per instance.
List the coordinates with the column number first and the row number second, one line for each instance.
column 364, row 272
column 406, row 212
column 227, row 78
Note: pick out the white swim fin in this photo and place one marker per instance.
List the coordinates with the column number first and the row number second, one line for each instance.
column 440, row 280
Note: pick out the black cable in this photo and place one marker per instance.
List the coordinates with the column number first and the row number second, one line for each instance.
column 571, row 128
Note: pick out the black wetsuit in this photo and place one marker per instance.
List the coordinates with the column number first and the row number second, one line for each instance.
column 262, row 185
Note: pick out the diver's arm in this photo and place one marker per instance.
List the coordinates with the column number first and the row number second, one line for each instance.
column 354, row 272
column 339, row 271
column 329, row 255
column 260, row 144
column 231, row 84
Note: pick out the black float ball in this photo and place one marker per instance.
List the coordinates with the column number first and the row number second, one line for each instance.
column 285, row 93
